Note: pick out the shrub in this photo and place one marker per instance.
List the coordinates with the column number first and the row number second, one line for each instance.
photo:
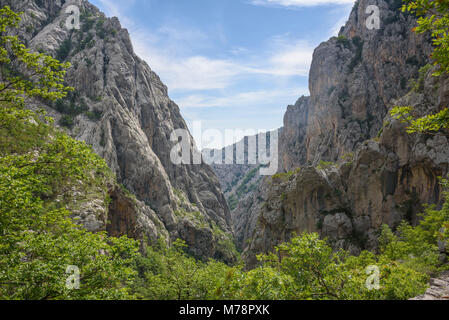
column 64, row 50
column 285, row 176
column 323, row 165
column 66, row 121
column 342, row 41
column 94, row 115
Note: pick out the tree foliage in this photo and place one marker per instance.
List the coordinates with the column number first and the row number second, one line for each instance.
column 433, row 17
column 427, row 124
column 302, row 269
column 39, row 167
column 306, row 267
column 25, row 73
column 38, row 238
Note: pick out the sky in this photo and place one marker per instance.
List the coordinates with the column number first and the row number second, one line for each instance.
column 230, row 64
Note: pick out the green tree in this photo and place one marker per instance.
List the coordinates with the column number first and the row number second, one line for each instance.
column 433, row 17
column 25, row 73
column 39, row 168
column 265, row 283
column 170, row 274
column 319, row 272
column 428, row 124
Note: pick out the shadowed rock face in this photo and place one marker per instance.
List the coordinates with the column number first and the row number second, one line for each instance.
column 129, row 217
column 130, row 122
column 376, row 173
column 353, row 79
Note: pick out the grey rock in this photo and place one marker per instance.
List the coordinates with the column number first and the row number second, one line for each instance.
column 439, row 289
column 337, row 226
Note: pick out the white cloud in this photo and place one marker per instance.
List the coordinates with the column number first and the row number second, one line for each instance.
column 287, row 57
column 300, row 3
column 252, row 98
column 114, row 8
column 166, row 54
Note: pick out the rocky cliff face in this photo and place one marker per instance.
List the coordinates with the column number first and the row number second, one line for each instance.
column 292, row 140
column 359, row 168
column 121, row 108
column 237, row 166
column 353, row 79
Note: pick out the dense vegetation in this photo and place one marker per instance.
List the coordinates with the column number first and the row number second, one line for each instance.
column 305, row 268
column 40, row 166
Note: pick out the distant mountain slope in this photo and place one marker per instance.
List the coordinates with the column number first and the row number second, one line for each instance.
column 241, row 177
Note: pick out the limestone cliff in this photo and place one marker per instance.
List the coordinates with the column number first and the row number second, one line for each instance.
column 353, row 79
column 359, row 169
column 121, row 108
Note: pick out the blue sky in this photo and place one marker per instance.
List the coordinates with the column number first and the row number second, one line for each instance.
column 230, row 63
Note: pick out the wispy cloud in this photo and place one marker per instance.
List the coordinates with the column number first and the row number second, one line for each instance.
column 178, row 53
column 254, row 98
column 166, row 54
column 299, row 3
column 286, row 57
column 115, row 8
column 169, row 52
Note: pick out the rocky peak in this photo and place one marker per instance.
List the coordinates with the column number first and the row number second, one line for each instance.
column 355, row 76
column 294, row 131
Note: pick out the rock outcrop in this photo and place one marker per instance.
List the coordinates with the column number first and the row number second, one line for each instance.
column 292, row 141
column 439, row 289
column 121, row 108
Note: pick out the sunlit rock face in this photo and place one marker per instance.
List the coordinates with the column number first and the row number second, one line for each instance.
column 128, row 118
